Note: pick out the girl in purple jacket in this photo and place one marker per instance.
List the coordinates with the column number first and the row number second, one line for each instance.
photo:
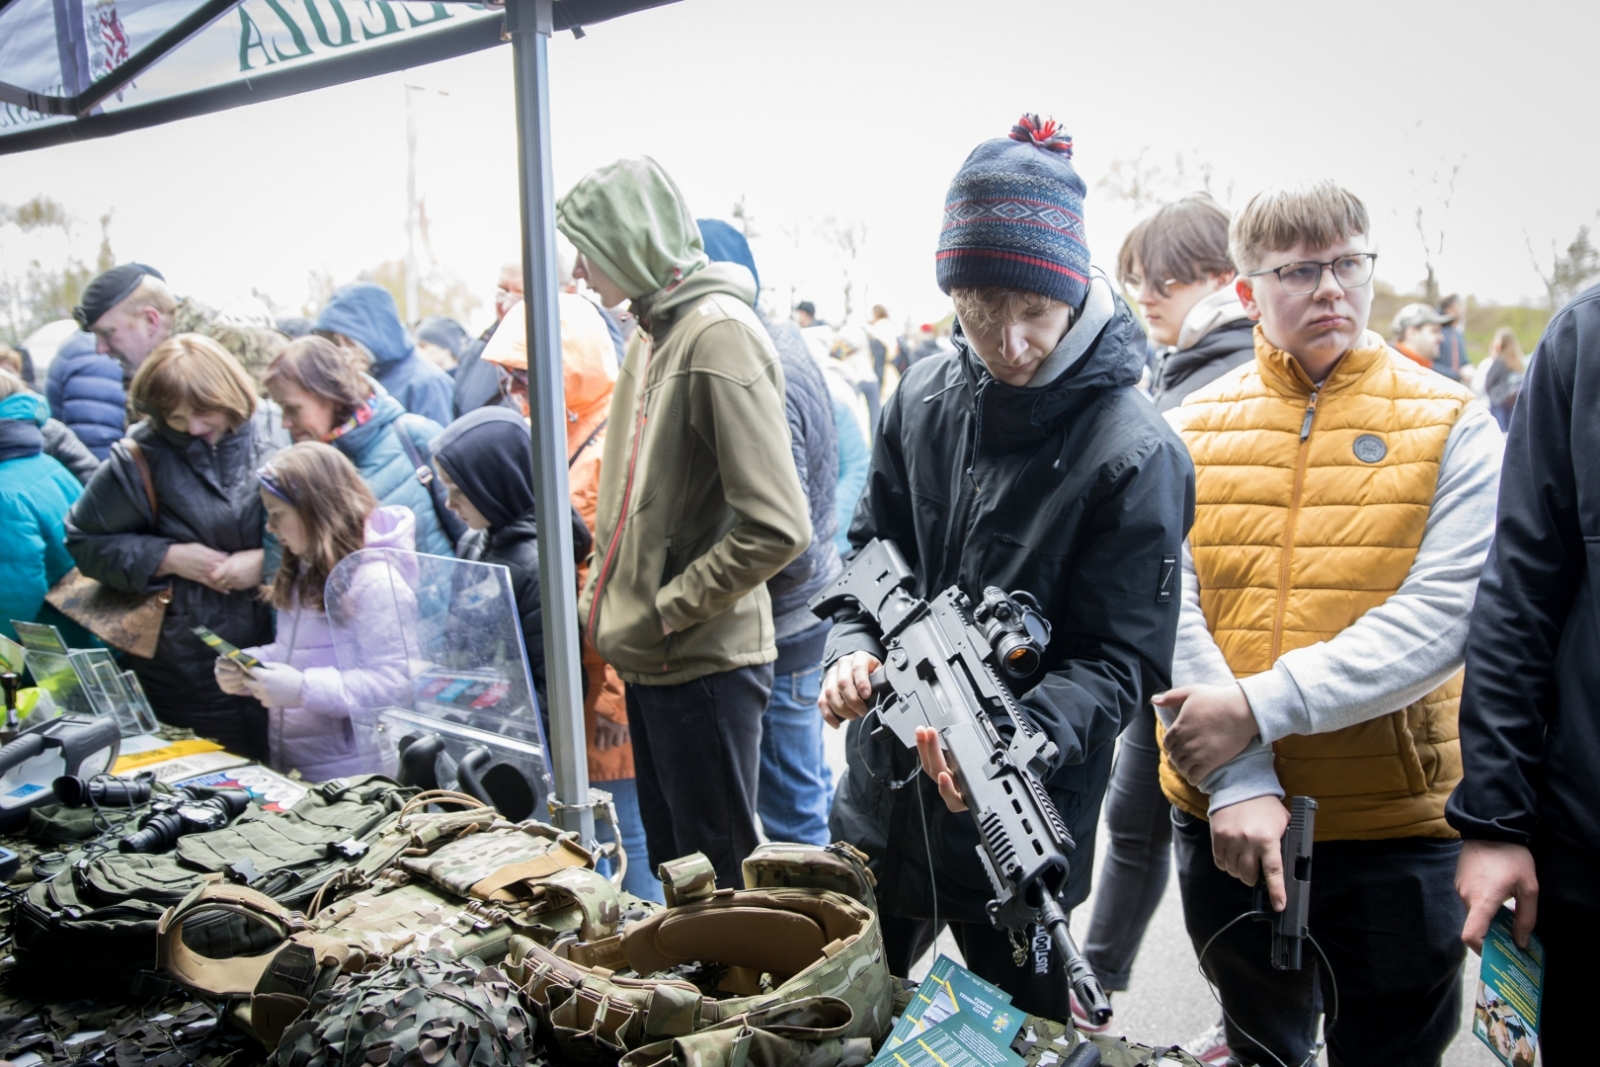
column 321, row 511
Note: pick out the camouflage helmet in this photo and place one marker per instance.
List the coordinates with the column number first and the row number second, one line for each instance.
column 414, row 1010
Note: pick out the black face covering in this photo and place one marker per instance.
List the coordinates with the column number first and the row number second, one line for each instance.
column 486, row 453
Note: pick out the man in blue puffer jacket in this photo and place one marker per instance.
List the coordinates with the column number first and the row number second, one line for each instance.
column 363, row 318
column 85, row 392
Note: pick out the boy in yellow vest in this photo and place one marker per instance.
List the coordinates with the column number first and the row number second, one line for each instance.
column 1344, row 505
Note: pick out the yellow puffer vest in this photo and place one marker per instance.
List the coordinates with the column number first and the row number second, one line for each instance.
column 1309, row 508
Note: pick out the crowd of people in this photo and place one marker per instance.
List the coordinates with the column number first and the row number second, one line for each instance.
column 1266, row 538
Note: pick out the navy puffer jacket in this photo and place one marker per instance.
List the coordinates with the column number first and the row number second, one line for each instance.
column 815, row 444
column 85, row 392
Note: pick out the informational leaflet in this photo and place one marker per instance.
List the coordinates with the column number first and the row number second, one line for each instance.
column 955, row 1019
column 1506, row 1015
column 270, row 790
column 939, row 996
column 39, row 637
column 956, row 1042
column 173, row 761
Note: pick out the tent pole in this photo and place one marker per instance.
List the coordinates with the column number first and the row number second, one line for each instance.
column 530, row 25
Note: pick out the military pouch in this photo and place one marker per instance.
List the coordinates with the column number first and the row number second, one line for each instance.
column 781, row 974
column 839, row 868
column 211, row 943
column 54, row 931
column 812, row 1031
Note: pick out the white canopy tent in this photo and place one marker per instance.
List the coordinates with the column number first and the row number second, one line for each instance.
column 73, row 70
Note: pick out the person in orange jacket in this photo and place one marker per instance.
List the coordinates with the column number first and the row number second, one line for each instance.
column 589, row 365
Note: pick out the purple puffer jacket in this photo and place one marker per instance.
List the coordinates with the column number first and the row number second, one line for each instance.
column 318, row 739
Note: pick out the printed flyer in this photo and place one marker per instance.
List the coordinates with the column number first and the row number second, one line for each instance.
column 1506, row 1015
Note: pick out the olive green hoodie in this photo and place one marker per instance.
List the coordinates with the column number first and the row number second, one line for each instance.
column 699, row 499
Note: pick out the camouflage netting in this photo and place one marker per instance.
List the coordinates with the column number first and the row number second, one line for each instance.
column 177, row 1031
column 416, row 1011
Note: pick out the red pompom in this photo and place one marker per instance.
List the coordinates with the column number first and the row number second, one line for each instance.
column 1044, row 132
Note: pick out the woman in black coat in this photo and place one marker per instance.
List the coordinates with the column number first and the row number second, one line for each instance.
column 485, row 462
column 205, row 540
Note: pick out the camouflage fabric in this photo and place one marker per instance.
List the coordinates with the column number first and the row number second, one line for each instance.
column 839, row 868
column 414, row 1011
column 413, row 919
column 686, row 879
column 1047, row 1043
column 807, row 1033
column 774, row 977
column 507, row 856
column 253, row 346
column 176, row 1031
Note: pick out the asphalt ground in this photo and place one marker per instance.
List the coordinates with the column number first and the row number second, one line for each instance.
column 1169, row 1002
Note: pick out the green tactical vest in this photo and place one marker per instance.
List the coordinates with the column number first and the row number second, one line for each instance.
column 453, row 884
column 106, row 906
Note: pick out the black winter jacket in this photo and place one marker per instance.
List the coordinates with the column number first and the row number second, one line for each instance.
column 515, row 546
column 815, row 444
column 207, row 495
column 63, row 445
column 1077, row 492
column 1530, row 724
column 1182, row 372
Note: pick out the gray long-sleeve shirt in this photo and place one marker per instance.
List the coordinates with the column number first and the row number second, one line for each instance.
column 1394, row 654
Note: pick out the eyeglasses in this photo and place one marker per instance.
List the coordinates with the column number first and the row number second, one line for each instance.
column 1134, row 284
column 1299, row 279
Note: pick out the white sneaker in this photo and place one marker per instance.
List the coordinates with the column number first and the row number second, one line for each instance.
column 1210, row 1047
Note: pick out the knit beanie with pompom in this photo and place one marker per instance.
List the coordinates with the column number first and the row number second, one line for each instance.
column 1014, row 217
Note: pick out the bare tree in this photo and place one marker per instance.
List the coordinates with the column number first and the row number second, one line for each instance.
column 1147, row 184
column 850, row 238
column 1569, row 272
column 45, row 293
column 745, row 220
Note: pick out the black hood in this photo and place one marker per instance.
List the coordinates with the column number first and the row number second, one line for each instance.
column 1229, row 339
column 485, row 452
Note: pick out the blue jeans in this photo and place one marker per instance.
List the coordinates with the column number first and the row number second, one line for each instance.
column 640, row 880
column 796, row 787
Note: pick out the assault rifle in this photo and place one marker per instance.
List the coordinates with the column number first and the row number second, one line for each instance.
column 940, row 671
column 1289, row 926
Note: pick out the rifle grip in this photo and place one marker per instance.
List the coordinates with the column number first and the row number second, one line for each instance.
column 879, row 680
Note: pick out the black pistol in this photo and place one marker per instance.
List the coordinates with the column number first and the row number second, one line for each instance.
column 1289, row 926
column 943, row 667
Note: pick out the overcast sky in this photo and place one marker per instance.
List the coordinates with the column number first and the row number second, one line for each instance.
column 861, row 110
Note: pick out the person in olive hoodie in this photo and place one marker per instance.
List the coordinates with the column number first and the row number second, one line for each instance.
column 700, row 504
column 205, row 541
